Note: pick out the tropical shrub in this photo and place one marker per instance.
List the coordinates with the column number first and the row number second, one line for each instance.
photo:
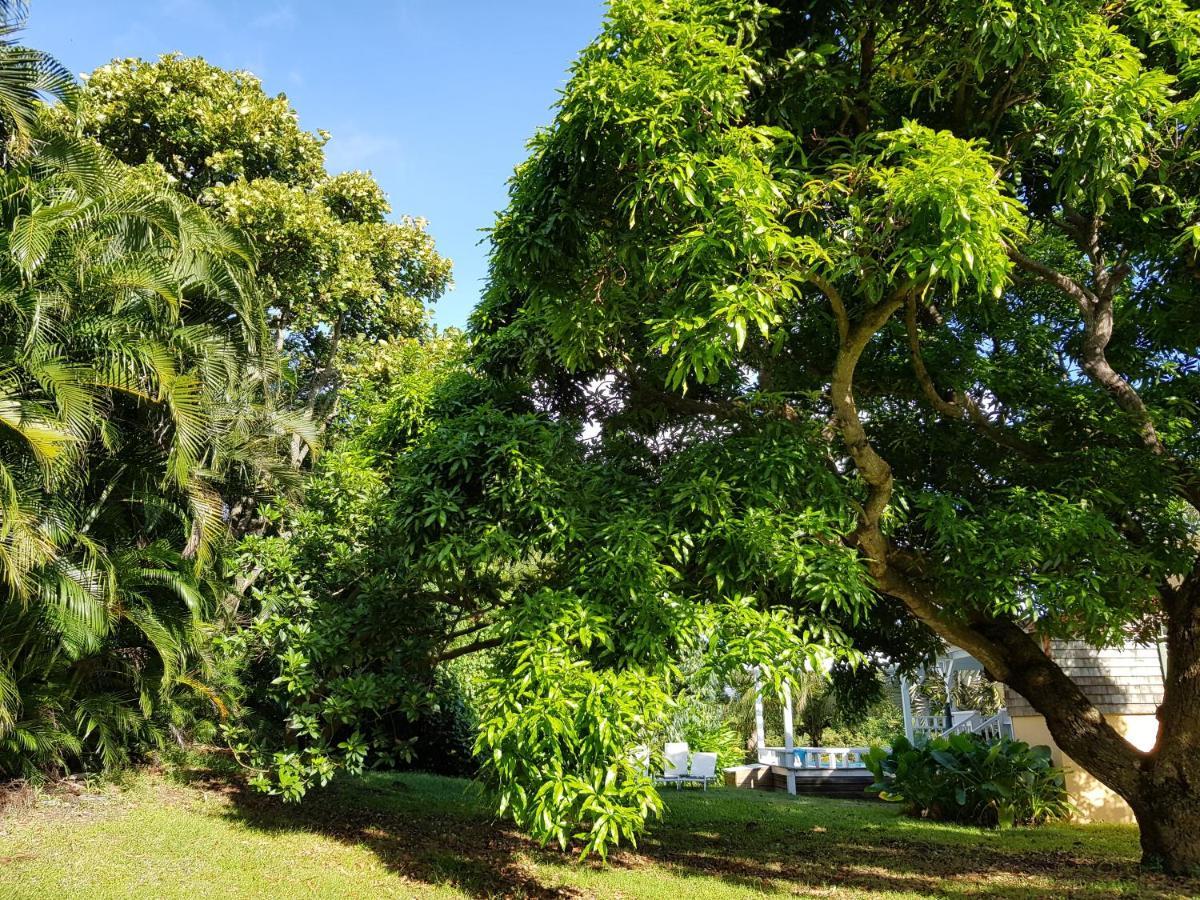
column 341, row 293
column 962, row 778
column 445, row 735
column 817, row 715
column 877, row 723
column 135, row 407
column 335, row 671
column 559, row 743
column 180, row 281
column 703, row 723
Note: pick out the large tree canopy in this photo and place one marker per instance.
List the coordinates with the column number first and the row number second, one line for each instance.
column 331, row 267
column 940, row 257
column 456, row 517
column 206, row 126
column 814, row 332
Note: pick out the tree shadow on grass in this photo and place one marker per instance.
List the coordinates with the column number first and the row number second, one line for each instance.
column 441, row 832
column 904, row 856
column 444, row 838
column 869, row 869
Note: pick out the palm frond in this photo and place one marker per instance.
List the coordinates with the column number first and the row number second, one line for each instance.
column 137, row 405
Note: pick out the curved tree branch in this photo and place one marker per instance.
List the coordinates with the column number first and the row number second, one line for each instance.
column 1083, row 297
column 962, row 408
column 1007, row 651
column 1097, row 309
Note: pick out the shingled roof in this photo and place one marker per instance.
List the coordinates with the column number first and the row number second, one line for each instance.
column 1120, row 681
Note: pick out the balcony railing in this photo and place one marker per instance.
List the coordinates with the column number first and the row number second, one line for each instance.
column 820, row 758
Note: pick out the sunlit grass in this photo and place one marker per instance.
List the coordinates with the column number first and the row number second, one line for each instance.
column 190, row 834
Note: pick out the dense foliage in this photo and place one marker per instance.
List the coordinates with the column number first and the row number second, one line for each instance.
column 945, row 254
column 335, row 669
column 815, row 334
column 331, row 266
column 136, row 401
column 454, row 520
column 180, row 283
column 345, row 292
column 963, row 778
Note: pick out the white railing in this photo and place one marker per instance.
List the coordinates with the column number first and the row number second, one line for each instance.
column 823, row 758
column 996, row 727
column 966, row 725
column 927, row 726
column 831, row 757
column 991, row 728
column 774, row 756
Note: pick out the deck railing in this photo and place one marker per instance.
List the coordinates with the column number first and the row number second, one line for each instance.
column 966, row 725
column 991, row 728
column 814, row 757
column 926, row 726
column 996, row 727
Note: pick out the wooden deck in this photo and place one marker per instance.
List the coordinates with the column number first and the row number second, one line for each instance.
column 848, row 783
column 825, row 782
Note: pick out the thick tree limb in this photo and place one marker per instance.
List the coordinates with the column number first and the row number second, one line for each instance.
column 465, row 649
column 1179, row 730
column 962, row 408
column 874, row 469
column 1097, row 309
column 1083, row 297
column 835, row 301
column 467, row 630
column 1078, row 727
column 1007, row 652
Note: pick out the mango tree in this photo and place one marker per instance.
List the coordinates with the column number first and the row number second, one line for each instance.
column 949, row 250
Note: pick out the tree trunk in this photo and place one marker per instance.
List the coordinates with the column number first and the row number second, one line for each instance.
column 1168, row 814
column 1161, row 786
column 1168, row 810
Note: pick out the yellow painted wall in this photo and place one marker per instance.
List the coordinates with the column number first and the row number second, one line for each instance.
column 1094, row 802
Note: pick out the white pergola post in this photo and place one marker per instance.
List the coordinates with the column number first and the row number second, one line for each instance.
column 789, row 739
column 760, row 731
column 948, row 677
column 906, row 708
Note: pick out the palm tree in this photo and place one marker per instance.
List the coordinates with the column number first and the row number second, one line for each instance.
column 136, row 386
column 811, row 696
column 26, row 75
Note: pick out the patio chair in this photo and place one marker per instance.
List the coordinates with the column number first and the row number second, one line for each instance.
column 703, row 768
column 676, row 756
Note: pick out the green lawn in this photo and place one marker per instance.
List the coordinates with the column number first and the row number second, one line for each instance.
column 190, row 833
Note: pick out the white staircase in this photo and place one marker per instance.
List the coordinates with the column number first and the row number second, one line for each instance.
column 991, row 728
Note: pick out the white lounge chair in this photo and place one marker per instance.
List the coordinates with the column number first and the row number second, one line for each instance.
column 703, row 769
column 676, row 756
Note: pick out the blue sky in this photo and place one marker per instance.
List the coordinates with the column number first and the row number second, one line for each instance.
column 436, row 98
